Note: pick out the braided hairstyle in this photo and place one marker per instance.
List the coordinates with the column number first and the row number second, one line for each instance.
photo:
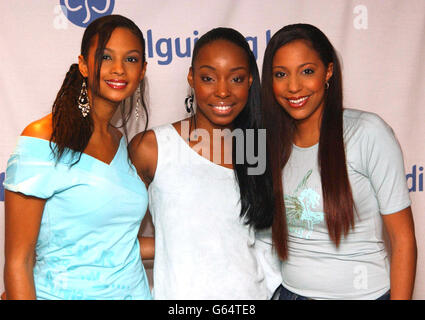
column 71, row 131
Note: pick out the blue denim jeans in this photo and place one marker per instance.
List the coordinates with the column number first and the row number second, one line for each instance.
column 285, row 294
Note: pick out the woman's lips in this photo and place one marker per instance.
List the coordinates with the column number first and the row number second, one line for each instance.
column 116, row 84
column 297, row 102
column 222, row 109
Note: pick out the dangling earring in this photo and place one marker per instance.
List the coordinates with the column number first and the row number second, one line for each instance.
column 138, row 98
column 189, row 109
column 83, row 100
column 327, row 85
column 189, row 103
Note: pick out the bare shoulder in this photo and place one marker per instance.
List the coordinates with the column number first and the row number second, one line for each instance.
column 142, row 143
column 143, row 149
column 41, row 128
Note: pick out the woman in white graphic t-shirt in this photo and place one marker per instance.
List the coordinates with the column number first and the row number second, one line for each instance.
column 342, row 182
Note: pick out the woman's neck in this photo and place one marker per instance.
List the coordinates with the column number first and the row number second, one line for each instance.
column 102, row 113
column 203, row 123
column 307, row 133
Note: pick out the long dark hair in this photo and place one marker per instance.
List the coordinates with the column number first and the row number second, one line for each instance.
column 255, row 190
column 72, row 131
column 337, row 197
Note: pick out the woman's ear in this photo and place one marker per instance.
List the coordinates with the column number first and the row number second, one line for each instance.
column 142, row 75
column 329, row 71
column 82, row 65
column 190, row 77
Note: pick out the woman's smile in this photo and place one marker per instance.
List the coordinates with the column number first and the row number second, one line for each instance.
column 222, row 108
column 116, row 84
column 298, row 102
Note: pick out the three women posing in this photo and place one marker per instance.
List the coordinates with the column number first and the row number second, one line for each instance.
column 334, row 178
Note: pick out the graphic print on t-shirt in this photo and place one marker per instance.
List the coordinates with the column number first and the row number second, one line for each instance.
column 300, row 207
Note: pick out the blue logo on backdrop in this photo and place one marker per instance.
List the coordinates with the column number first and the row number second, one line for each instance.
column 415, row 179
column 1, row 186
column 166, row 49
column 82, row 12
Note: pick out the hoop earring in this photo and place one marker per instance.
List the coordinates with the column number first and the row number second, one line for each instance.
column 83, row 100
column 138, row 99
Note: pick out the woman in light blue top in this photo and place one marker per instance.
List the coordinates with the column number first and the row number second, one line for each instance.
column 73, row 201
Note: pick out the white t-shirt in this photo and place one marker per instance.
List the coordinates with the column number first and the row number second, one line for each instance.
column 359, row 267
column 203, row 250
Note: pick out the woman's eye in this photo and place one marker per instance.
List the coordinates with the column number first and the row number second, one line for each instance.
column 238, row 79
column 132, row 59
column 206, row 78
column 279, row 74
column 308, row 71
column 106, row 57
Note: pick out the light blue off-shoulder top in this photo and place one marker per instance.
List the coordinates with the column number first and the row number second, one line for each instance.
column 87, row 246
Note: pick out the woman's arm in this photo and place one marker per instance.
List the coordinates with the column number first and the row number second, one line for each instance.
column 147, row 247
column 401, row 230
column 147, row 243
column 22, row 224
column 143, row 150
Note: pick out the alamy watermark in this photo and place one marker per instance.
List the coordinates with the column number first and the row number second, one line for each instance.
column 360, row 21
column 250, row 146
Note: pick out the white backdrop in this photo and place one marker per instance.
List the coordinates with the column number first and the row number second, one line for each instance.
column 381, row 45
